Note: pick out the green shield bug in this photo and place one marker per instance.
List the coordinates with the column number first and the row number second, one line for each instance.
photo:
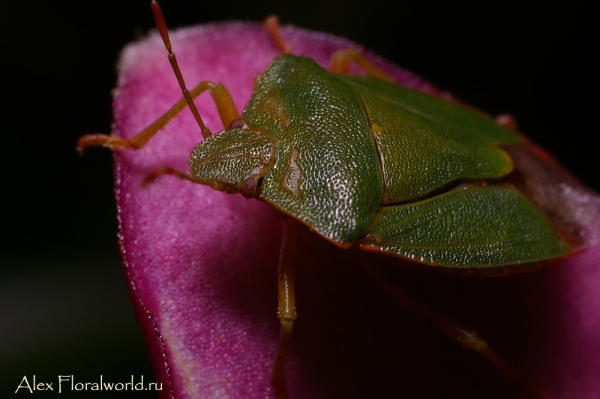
column 370, row 165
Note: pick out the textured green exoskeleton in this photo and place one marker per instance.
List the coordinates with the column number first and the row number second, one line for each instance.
column 369, row 163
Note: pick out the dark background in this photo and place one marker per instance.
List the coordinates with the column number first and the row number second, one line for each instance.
column 64, row 307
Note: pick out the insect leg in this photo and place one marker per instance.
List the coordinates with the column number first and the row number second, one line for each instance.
column 272, row 25
column 226, row 107
column 341, row 59
column 166, row 170
column 508, row 121
column 225, row 104
column 286, row 310
column 459, row 333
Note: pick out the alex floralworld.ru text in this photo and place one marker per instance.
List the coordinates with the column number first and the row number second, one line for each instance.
column 67, row 382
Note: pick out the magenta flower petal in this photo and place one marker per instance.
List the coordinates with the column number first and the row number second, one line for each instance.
column 202, row 267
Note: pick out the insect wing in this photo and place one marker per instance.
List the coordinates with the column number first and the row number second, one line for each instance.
column 467, row 228
column 425, row 142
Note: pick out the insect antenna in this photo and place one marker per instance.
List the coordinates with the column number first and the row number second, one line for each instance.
column 159, row 19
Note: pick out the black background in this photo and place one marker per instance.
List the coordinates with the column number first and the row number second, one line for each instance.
column 63, row 299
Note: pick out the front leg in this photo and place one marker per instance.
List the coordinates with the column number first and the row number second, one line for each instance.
column 221, row 96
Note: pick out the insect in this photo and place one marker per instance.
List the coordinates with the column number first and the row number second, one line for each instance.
column 325, row 150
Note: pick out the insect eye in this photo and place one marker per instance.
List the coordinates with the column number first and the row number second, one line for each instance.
column 237, row 124
column 248, row 186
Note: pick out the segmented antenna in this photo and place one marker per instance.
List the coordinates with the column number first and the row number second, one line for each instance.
column 159, row 19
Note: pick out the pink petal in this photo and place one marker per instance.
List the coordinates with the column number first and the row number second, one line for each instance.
column 202, row 267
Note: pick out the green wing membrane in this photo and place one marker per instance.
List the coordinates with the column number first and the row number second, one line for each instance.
column 467, row 228
column 466, row 122
column 425, row 142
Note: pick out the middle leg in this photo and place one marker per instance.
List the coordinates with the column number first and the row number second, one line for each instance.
column 286, row 310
